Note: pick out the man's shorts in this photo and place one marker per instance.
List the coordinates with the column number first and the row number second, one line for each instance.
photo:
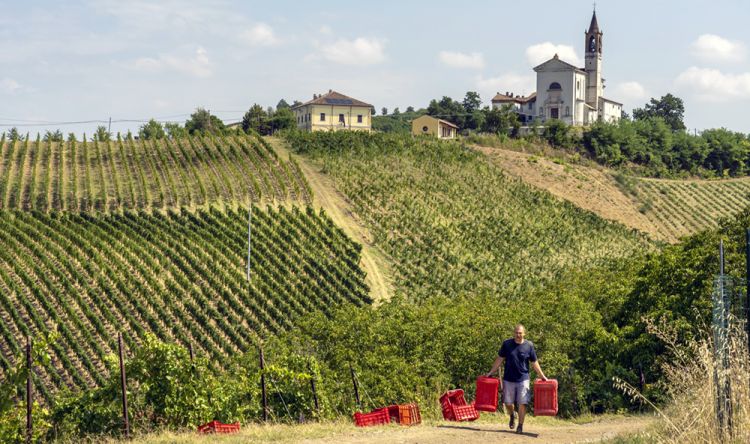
column 516, row 392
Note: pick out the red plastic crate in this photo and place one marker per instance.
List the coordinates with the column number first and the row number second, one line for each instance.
column 376, row 417
column 405, row 414
column 487, row 394
column 219, row 427
column 455, row 408
column 545, row 397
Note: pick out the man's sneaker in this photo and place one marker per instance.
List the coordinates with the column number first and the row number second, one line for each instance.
column 512, row 422
column 519, row 430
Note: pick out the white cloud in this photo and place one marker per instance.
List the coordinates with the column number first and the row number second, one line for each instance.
column 360, row 51
column 475, row 60
column 541, row 52
column 197, row 65
column 260, row 35
column 712, row 85
column 712, row 48
column 629, row 92
column 511, row 82
column 9, row 86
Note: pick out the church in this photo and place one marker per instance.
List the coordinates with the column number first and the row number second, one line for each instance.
column 566, row 92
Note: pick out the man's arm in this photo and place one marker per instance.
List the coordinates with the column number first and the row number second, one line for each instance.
column 538, row 369
column 496, row 366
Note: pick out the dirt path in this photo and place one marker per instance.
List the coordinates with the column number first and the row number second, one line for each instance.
column 340, row 211
column 482, row 433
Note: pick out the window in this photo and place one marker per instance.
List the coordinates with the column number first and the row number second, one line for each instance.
column 578, row 85
column 554, row 86
column 341, row 118
column 359, row 118
column 322, row 117
column 529, row 105
column 567, row 110
column 425, row 129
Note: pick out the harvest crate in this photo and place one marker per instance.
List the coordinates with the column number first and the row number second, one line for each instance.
column 375, row 417
column 405, row 414
column 455, row 408
column 219, row 427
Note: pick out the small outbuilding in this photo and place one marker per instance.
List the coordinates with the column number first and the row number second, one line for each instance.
column 440, row 128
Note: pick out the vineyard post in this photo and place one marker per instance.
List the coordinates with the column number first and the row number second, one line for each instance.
column 356, row 387
column 263, row 384
column 249, row 220
column 747, row 288
column 123, row 386
column 312, row 387
column 29, row 394
column 190, row 349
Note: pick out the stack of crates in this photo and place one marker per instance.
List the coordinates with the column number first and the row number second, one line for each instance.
column 405, row 414
column 375, row 417
column 219, row 427
column 455, row 408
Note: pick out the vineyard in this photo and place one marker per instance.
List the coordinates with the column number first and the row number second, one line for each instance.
column 93, row 176
column 454, row 224
column 665, row 209
column 180, row 275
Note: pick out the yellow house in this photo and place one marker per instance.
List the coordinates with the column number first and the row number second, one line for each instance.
column 333, row 111
column 431, row 125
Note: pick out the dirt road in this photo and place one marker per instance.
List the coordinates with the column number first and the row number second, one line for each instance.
column 339, row 209
column 482, row 433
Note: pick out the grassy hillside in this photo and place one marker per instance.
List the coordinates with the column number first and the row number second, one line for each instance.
column 181, row 276
column 126, row 174
column 454, row 224
column 665, row 209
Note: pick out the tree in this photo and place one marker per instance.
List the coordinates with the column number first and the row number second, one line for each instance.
column 669, row 107
column 282, row 104
column 175, row 130
column 500, row 120
column 56, row 136
column 71, row 137
column 384, row 111
column 202, row 121
column 14, row 135
column 472, row 102
column 409, row 109
column 282, row 119
column 152, row 130
column 255, row 119
column 396, row 111
column 296, row 103
column 101, row 134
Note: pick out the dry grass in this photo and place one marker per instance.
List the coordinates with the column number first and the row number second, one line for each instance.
column 692, row 385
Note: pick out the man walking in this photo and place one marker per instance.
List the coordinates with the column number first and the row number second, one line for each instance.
column 516, row 353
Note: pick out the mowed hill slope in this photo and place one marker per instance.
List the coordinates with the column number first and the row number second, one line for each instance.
column 664, row 209
column 453, row 224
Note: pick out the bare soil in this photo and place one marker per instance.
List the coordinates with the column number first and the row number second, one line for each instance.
column 590, row 188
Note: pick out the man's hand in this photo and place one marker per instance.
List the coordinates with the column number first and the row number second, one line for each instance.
column 488, row 375
column 544, row 378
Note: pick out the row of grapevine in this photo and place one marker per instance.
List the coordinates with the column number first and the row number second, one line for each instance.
column 179, row 274
column 454, row 224
column 150, row 174
column 681, row 208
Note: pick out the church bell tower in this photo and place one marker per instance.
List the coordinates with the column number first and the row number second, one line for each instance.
column 593, row 45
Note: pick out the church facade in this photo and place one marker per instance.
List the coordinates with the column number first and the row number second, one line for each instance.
column 566, row 92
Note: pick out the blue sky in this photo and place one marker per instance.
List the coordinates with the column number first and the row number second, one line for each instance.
column 80, row 61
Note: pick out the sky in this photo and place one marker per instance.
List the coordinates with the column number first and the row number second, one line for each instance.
column 89, row 61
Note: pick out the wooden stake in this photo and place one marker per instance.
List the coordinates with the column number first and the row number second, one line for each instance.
column 124, row 387
column 29, row 393
column 312, row 387
column 263, row 384
column 356, row 386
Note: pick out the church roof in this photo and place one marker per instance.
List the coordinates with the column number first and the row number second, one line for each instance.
column 556, row 61
column 610, row 101
column 334, row 98
column 594, row 26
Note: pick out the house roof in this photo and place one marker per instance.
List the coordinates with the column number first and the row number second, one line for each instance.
column 503, row 98
column 334, row 98
column 610, row 101
column 556, row 60
column 444, row 122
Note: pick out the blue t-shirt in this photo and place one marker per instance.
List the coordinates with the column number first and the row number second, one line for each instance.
column 517, row 358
